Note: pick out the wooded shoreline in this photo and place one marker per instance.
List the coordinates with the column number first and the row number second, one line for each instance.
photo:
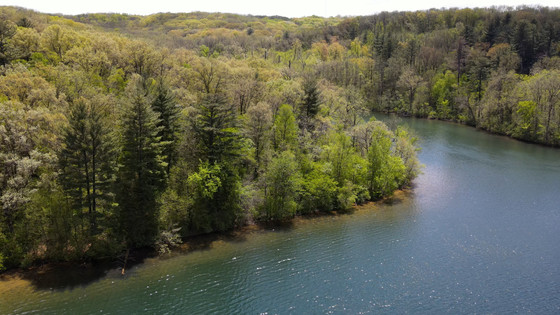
column 68, row 274
column 121, row 131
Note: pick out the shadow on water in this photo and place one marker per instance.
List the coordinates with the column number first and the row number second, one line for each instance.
column 281, row 226
column 400, row 196
column 68, row 276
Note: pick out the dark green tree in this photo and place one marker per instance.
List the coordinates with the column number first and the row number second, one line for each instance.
column 164, row 104
column 311, row 102
column 215, row 187
column 523, row 41
column 141, row 175
column 87, row 159
column 25, row 22
column 215, row 130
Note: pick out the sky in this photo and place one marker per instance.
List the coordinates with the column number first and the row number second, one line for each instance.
column 288, row 8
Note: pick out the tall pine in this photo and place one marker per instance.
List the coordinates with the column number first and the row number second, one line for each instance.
column 216, row 185
column 165, row 106
column 215, row 129
column 87, row 160
column 311, row 100
column 141, row 175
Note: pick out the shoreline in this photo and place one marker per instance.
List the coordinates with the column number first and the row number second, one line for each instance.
column 81, row 273
column 452, row 121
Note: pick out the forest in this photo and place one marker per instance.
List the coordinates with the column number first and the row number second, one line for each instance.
column 121, row 132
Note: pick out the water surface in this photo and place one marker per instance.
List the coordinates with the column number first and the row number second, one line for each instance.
column 479, row 233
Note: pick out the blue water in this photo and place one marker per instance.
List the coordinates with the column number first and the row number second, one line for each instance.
column 479, row 233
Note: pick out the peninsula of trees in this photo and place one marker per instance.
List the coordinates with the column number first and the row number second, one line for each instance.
column 121, row 131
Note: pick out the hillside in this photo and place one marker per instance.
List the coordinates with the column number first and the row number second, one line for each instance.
column 120, row 131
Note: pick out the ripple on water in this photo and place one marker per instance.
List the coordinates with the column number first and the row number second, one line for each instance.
column 478, row 234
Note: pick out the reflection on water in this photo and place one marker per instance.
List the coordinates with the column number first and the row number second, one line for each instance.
column 477, row 234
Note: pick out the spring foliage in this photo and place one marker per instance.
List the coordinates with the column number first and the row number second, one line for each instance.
column 121, row 131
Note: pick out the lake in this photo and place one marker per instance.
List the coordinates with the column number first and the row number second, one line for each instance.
column 478, row 233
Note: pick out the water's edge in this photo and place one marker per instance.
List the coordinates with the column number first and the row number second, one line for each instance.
column 67, row 275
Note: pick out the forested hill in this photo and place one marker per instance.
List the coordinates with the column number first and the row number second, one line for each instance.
column 477, row 66
column 119, row 132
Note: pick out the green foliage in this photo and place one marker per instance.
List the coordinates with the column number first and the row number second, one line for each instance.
column 406, row 150
column 285, row 128
column 258, row 126
column 87, row 160
column 347, row 168
column 443, row 93
column 51, row 222
column 385, row 172
column 528, row 125
column 7, row 31
column 26, row 143
column 310, row 104
column 318, row 191
column 282, row 183
column 215, row 193
column 341, row 157
column 174, row 201
column 108, row 142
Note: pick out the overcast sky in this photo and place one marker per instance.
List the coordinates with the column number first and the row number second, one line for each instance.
column 289, row 8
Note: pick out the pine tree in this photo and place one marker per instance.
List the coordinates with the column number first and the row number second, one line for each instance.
column 310, row 98
column 141, row 176
column 164, row 105
column 215, row 129
column 219, row 149
column 87, row 159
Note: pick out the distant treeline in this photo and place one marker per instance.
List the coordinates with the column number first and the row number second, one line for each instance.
column 495, row 69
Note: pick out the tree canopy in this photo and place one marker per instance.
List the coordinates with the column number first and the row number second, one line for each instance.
column 120, row 131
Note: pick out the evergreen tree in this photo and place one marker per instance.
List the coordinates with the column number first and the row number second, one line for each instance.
column 164, row 104
column 141, row 176
column 215, row 187
column 7, row 31
column 310, row 97
column 215, row 130
column 87, row 159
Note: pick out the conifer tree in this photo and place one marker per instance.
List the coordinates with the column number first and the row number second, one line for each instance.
column 219, row 149
column 215, row 129
column 141, row 175
column 310, row 98
column 87, row 159
column 165, row 106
